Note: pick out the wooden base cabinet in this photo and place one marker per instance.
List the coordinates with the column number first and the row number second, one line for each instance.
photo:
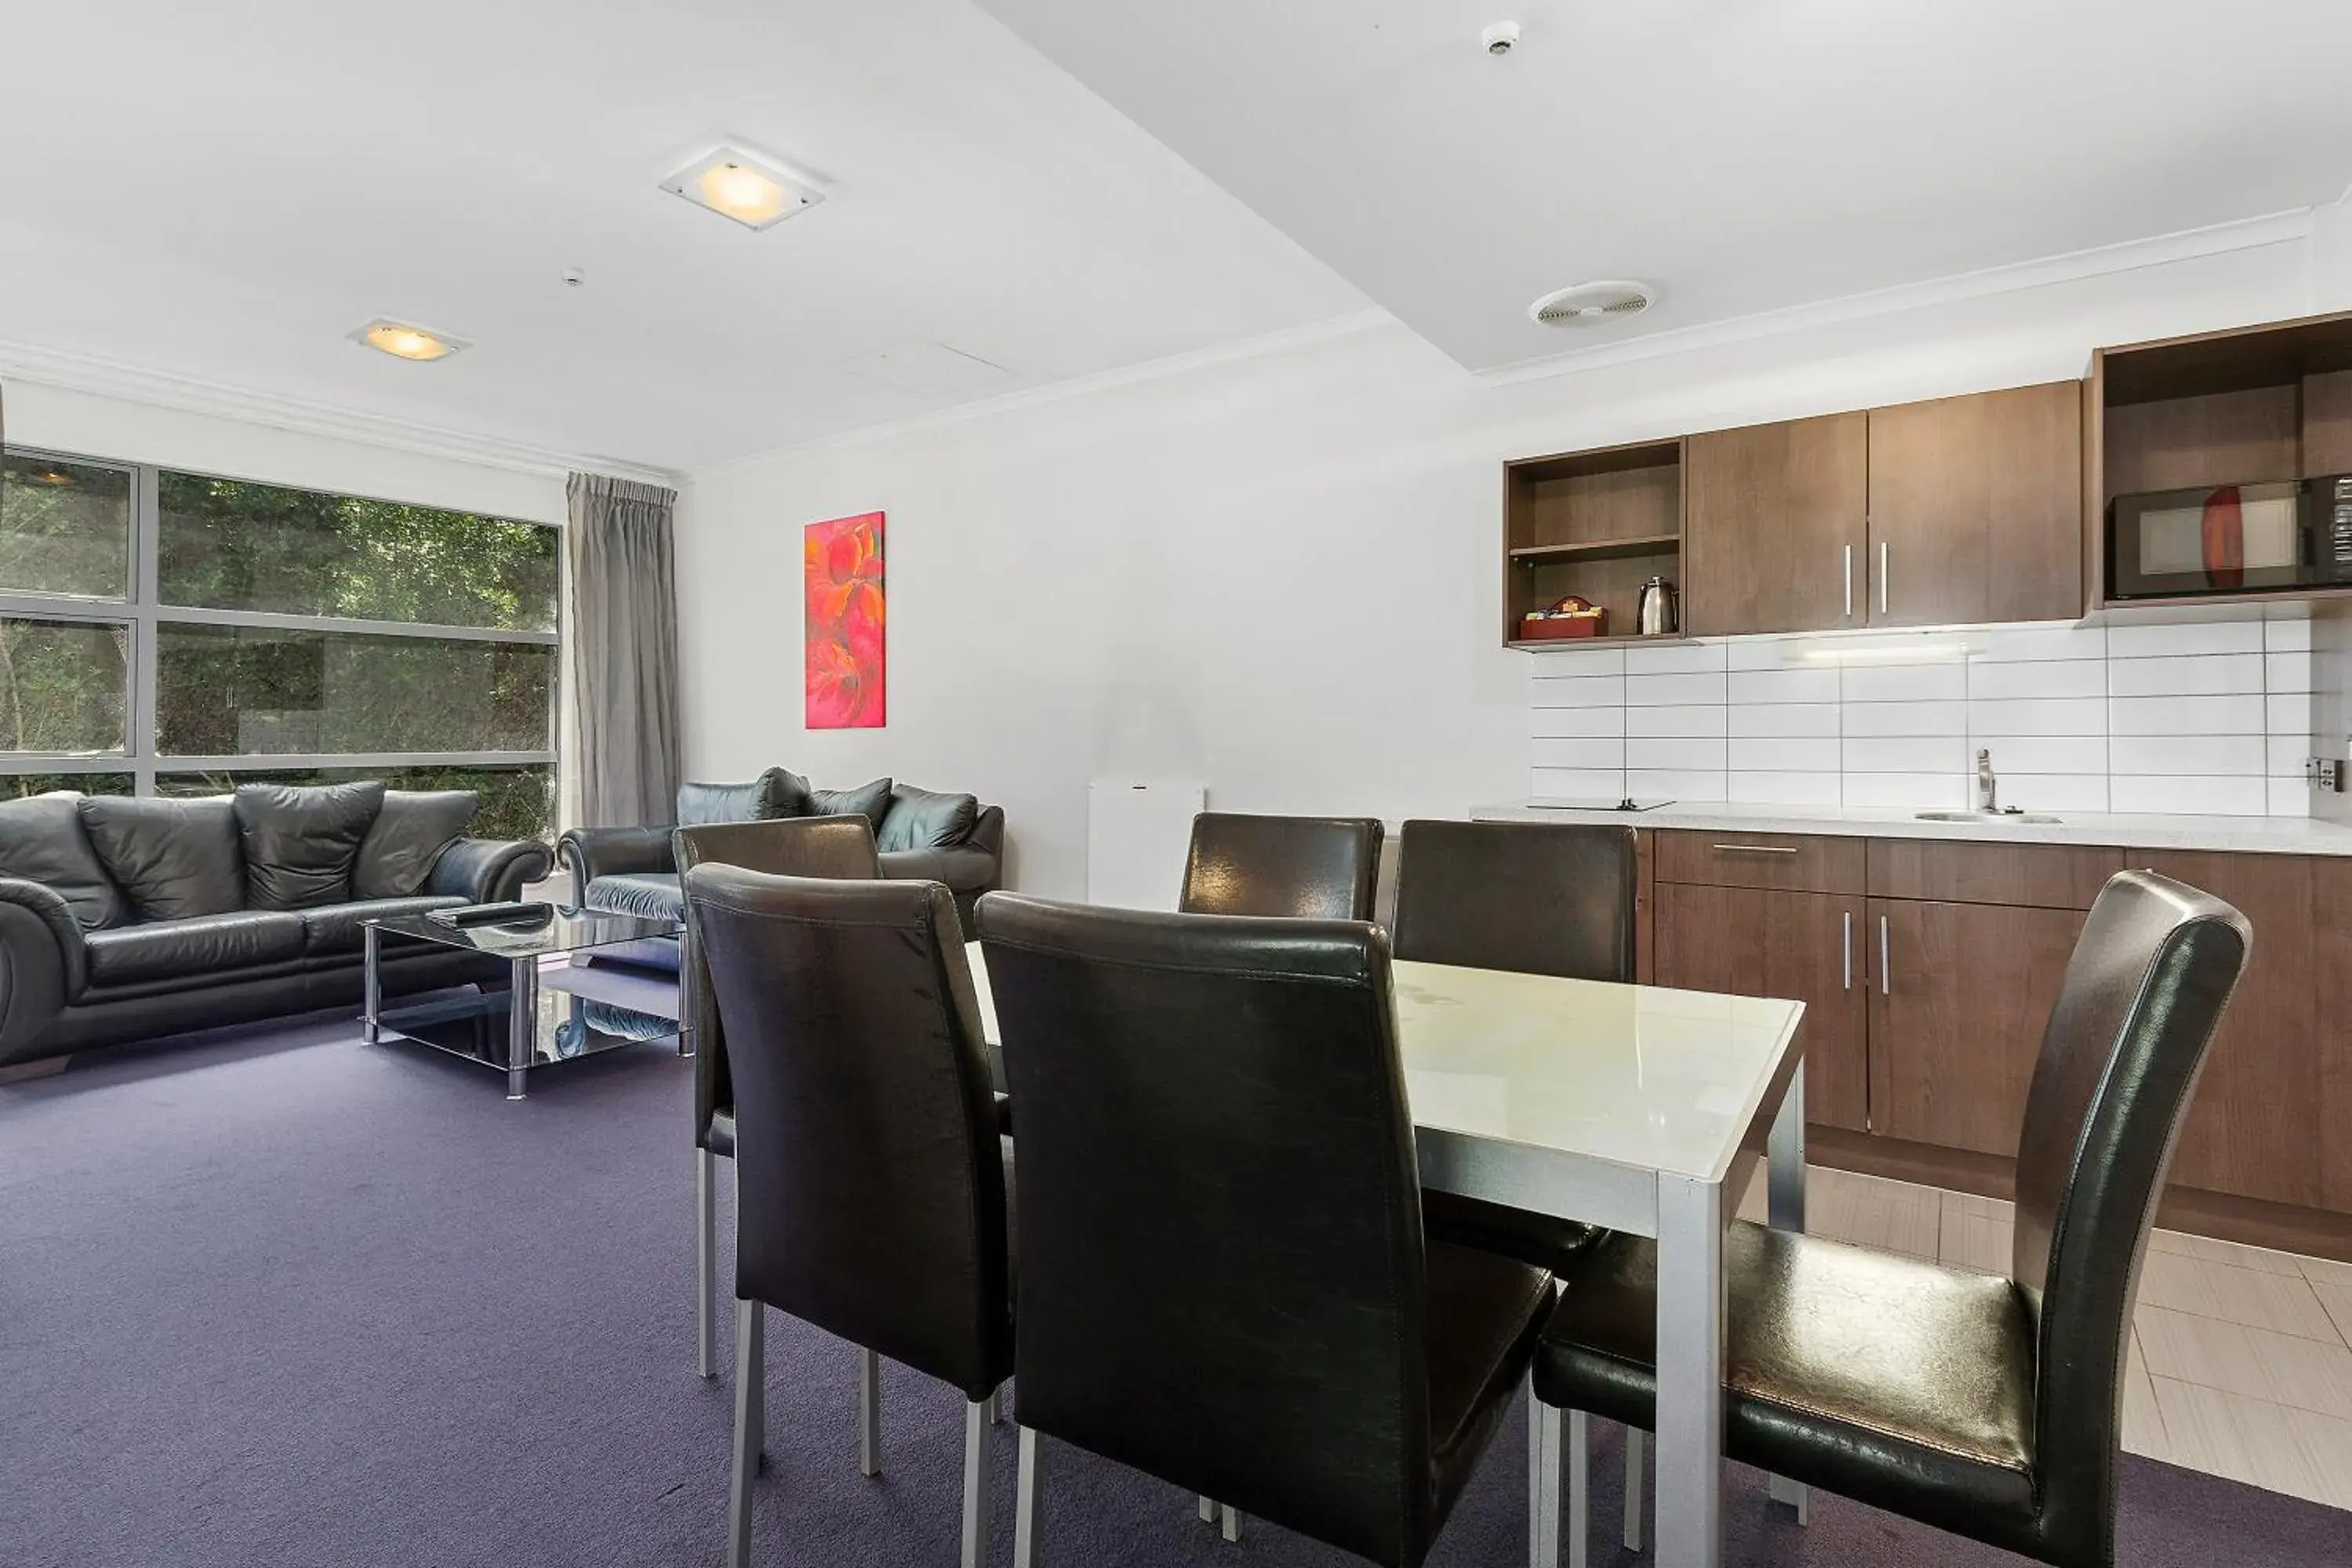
column 1799, row 946
column 1959, row 995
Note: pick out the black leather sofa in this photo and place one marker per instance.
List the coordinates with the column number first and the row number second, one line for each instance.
column 921, row 835
column 122, row 919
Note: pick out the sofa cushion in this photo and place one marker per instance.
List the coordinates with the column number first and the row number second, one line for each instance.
column 772, row 794
column 336, row 928
column 302, row 840
column 205, row 946
column 870, row 800
column 407, row 835
column 173, row 859
column 925, row 819
column 649, row 895
column 41, row 840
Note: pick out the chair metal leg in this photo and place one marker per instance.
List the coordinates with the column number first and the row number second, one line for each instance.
column 979, row 1438
column 1025, row 1501
column 706, row 1246
column 1579, row 1489
column 1543, row 1479
column 996, row 1406
column 1229, row 1521
column 750, row 1427
column 1635, row 1502
column 869, row 1413
column 1208, row 1509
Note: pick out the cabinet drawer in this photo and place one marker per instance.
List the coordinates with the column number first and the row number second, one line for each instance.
column 1799, row 862
column 2031, row 876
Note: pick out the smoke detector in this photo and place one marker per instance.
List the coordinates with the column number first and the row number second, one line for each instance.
column 1593, row 304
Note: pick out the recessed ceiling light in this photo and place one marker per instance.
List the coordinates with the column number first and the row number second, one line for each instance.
column 402, row 340
column 754, row 192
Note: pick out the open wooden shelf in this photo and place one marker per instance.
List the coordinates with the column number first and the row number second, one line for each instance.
column 1570, row 644
column 1597, row 523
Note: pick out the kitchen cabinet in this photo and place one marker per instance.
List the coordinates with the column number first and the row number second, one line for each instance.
column 1775, row 526
column 2260, row 1116
column 1799, row 946
column 1960, row 997
column 1976, row 507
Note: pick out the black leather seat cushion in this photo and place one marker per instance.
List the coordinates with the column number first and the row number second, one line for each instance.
column 41, row 840
column 301, row 841
column 1483, row 1315
column 649, row 895
column 1868, row 1373
column 202, row 944
column 1536, row 1238
column 336, row 929
column 174, row 858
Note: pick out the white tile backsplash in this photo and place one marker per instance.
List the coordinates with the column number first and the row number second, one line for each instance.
column 2147, row 716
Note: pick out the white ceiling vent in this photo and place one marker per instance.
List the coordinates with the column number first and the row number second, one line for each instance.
column 1591, row 304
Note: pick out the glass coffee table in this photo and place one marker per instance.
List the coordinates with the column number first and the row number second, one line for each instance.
column 549, row 1013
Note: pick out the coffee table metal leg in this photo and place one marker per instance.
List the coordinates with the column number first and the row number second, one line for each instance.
column 371, row 984
column 522, row 1023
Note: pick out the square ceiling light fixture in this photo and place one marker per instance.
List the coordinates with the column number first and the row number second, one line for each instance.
column 402, row 339
column 755, row 192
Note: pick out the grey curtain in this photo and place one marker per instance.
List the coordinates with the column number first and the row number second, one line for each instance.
column 623, row 651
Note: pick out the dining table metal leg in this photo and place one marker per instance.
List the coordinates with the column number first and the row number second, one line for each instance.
column 1690, row 1372
column 1785, row 1193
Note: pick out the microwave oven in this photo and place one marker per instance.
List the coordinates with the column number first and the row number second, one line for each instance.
column 2230, row 539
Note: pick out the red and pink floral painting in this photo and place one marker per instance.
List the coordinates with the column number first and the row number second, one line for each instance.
column 842, row 568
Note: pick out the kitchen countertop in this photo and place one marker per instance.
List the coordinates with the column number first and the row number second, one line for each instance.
column 2248, row 835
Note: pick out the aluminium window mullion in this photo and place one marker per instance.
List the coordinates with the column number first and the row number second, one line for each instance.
column 146, row 539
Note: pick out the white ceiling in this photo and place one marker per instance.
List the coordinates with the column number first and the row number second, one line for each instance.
column 224, row 191
column 1742, row 155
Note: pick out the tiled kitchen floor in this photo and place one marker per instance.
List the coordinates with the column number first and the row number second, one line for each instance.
column 2242, row 1358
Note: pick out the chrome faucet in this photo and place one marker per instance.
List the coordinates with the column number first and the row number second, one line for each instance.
column 1987, row 786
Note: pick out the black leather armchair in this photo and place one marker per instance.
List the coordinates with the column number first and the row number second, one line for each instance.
column 1322, row 867
column 1531, row 898
column 1224, row 1279
column 876, row 1187
column 838, row 849
column 1985, row 1404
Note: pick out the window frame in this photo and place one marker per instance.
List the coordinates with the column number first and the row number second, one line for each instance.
column 144, row 614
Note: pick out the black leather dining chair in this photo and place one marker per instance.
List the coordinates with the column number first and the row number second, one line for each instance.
column 1988, row 1405
column 1322, row 867
column 876, row 1200
column 1224, row 1279
column 840, row 848
column 1535, row 898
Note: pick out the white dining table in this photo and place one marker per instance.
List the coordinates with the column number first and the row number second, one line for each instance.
column 1640, row 1108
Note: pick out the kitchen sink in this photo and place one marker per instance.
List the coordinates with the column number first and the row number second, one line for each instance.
column 1987, row 816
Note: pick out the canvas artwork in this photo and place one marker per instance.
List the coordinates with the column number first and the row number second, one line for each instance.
column 842, row 573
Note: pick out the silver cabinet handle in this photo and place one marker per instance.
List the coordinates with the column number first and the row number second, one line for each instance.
column 1848, row 552
column 1886, row 985
column 1846, row 946
column 1754, row 849
column 1882, row 577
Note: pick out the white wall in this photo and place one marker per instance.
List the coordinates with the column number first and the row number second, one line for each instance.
column 93, row 426
column 1280, row 574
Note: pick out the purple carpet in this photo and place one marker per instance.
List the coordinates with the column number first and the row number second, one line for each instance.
column 285, row 1299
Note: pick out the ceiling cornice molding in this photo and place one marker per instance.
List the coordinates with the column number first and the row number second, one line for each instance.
column 1076, row 386
column 98, row 376
column 2245, row 233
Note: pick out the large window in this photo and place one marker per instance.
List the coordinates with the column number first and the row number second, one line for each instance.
column 163, row 633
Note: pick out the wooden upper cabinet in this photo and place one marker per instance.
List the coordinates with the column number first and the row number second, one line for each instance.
column 1774, row 526
column 1976, row 507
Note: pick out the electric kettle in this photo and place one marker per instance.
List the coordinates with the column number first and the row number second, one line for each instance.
column 1658, row 614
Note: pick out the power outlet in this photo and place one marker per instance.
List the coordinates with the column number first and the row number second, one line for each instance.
column 2324, row 773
